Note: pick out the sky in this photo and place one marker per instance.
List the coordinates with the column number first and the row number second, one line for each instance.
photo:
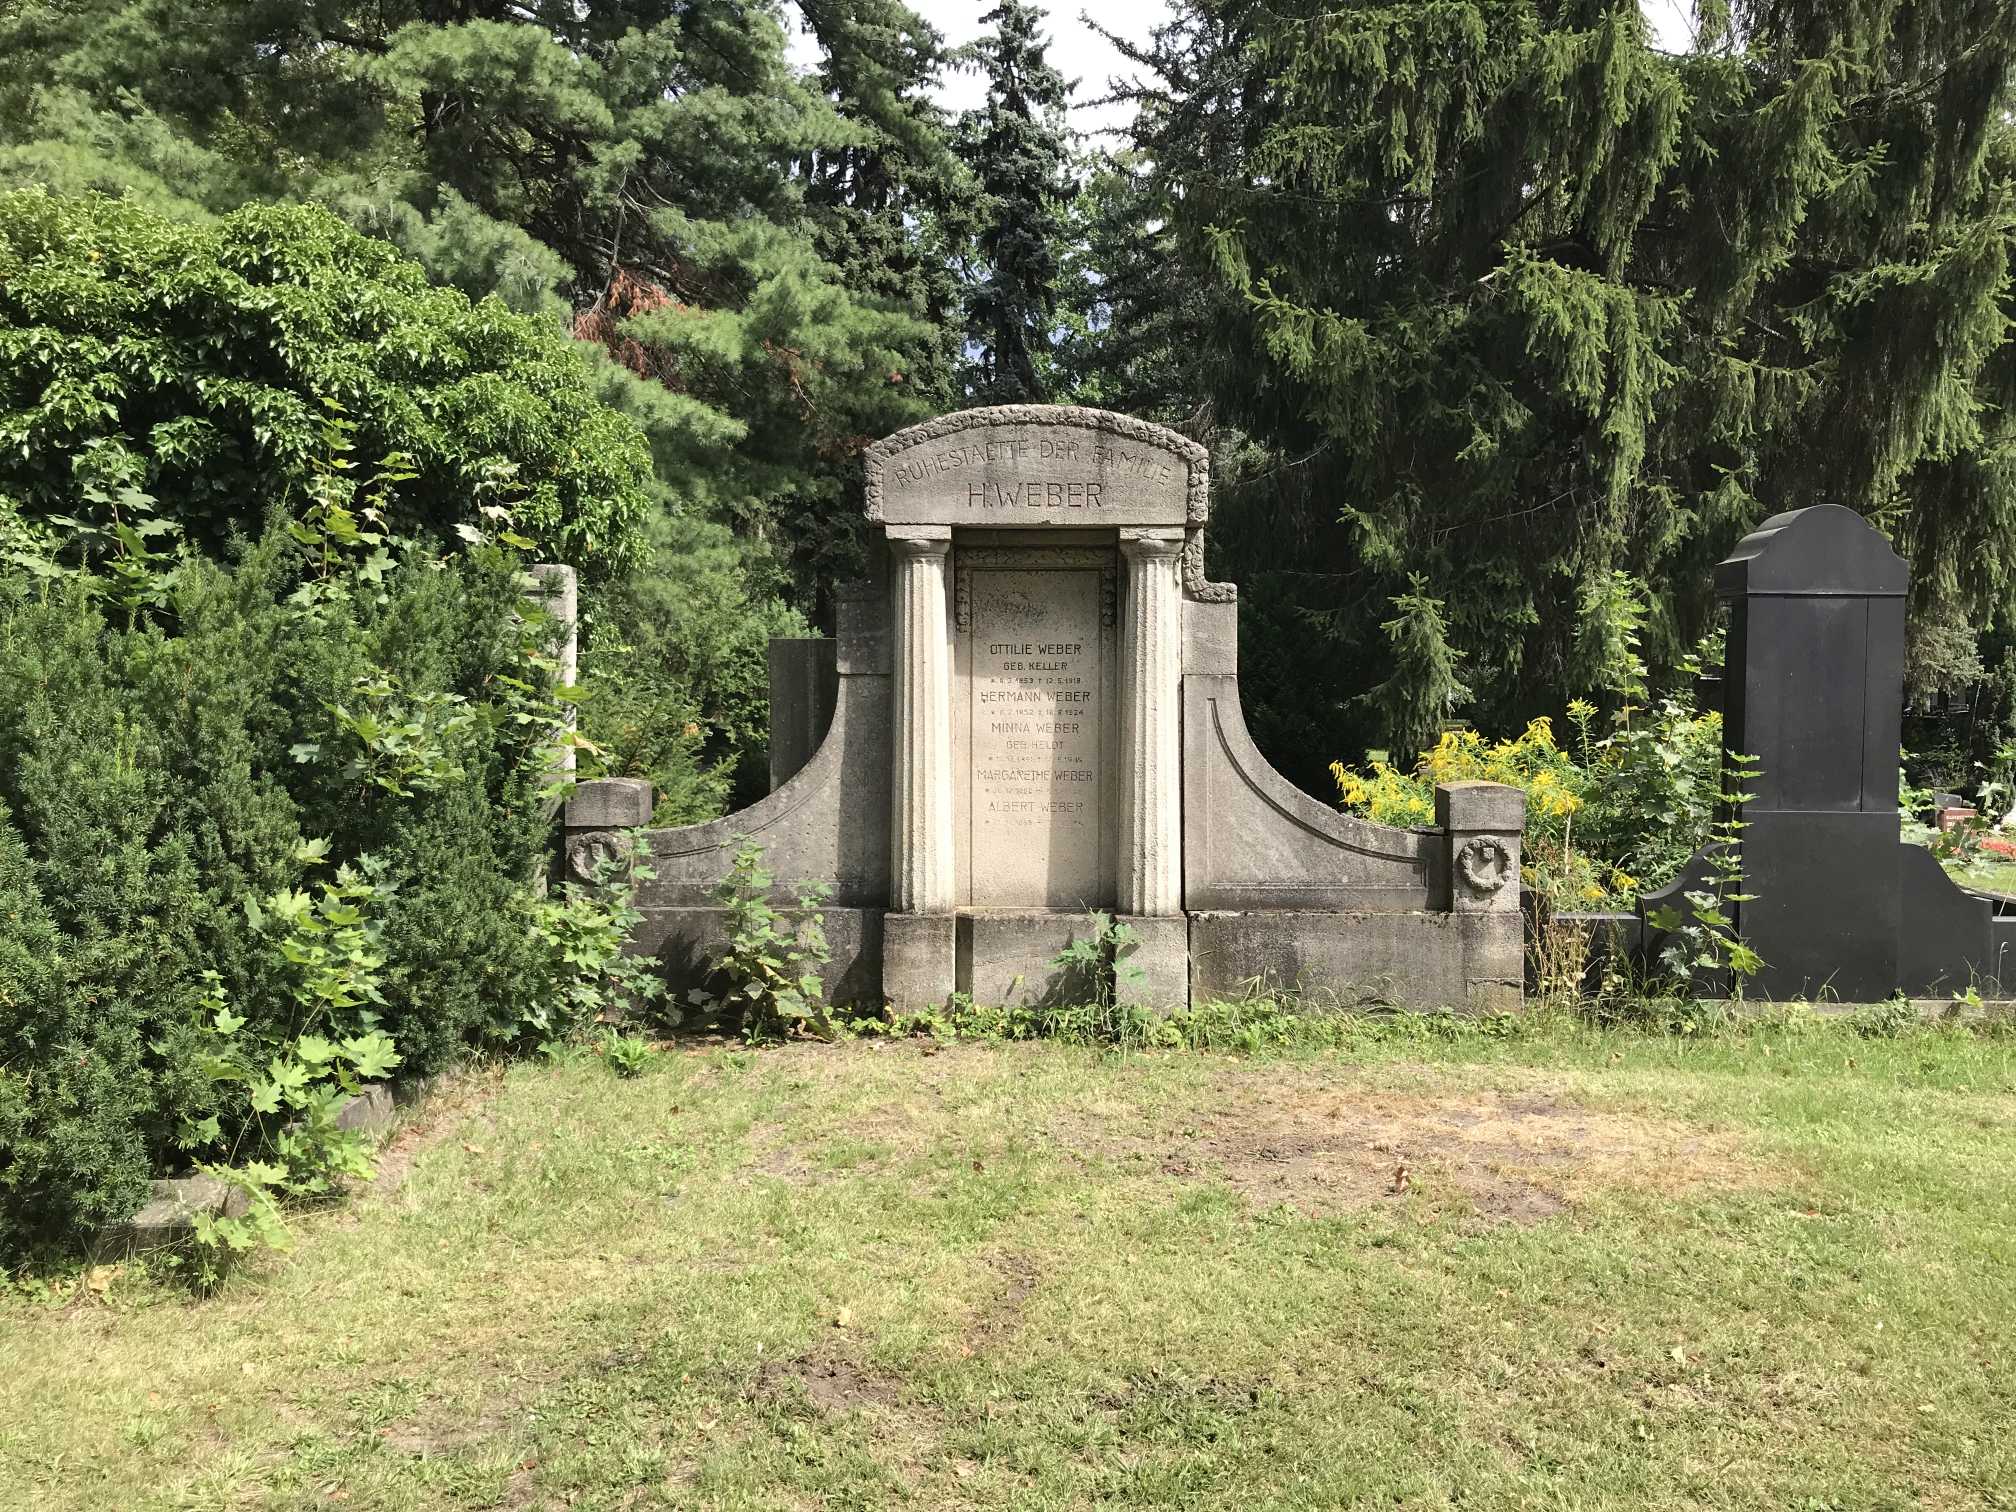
column 1080, row 53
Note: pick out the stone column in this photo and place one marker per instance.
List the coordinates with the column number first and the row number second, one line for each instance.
column 1155, row 970
column 1151, row 725
column 921, row 854
column 553, row 589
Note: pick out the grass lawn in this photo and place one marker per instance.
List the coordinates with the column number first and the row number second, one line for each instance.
column 1571, row 1268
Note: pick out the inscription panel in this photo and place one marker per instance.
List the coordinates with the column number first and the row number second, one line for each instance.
column 1037, row 710
column 1018, row 476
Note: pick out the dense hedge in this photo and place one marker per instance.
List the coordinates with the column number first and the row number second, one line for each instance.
column 195, row 363
column 156, row 775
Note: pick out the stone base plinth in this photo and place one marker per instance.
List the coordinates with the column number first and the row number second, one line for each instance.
column 1466, row 962
column 688, row 941
column 1005, row 956
column 1154, row 971
column 919, row 959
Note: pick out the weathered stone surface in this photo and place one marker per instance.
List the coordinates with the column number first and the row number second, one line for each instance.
column 830, row 823
column 1036, row 466
column 688, row 941
column 1468, row 805
column 1253, row 840
column 609, row 803
column 919, row 960
column 1005, row 956
column 804, row 687
column 1465, row 962
column 1154, row 972
column 169, row 1215
column 1034, row 734
column 1210, row 639
column 371, row 1111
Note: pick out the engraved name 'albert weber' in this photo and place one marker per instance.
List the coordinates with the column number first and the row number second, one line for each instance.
column 1014, row 476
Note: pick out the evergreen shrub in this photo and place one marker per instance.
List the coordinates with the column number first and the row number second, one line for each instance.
column 158, row 772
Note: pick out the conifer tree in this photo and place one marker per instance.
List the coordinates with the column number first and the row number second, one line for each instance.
column 1018, row 146
column 1534, row 319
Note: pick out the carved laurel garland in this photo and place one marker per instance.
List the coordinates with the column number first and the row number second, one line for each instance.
column 1101, row 559
column 1197, row 497
column 1485, row 864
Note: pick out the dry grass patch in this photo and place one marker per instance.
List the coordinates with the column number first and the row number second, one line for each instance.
column 1321, row 1141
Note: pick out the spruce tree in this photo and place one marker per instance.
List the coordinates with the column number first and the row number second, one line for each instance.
column 1533, row 320
column 1018, row 146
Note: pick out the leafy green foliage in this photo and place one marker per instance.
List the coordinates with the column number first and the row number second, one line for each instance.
column 1705, row 942
column 675, row 672
column 657, row 173
column 770, row 966
column 625, row 1054
column 149, row 790
column 1092, row 965
column 192, row 364
column 584, row 975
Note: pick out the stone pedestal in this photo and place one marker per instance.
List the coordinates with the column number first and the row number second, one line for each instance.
column 1154, row 971
column 919, row 960
column 1151, row 724
column 597, row 814
column 1483, row 822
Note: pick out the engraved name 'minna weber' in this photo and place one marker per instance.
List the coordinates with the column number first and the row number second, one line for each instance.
column 1036, row 726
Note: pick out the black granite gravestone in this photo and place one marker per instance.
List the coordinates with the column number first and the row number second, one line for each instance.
column 1814, row 689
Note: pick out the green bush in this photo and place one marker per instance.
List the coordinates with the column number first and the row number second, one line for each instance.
column 155, row 776
column 676, row 668
column 192, row 363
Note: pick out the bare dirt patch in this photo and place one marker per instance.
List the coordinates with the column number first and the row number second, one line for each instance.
column 1000, row 1316
column 831, row 1382
column 1512, row 1157
column 441, row 1106
column 1318, row 1141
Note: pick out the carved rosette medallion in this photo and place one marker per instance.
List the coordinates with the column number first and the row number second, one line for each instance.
column 1484, row 864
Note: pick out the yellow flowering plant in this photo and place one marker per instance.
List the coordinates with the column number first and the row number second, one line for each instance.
column 1619, row 813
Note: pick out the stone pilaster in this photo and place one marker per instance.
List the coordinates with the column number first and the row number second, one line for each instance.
column 1151, row 724
column 921, row 869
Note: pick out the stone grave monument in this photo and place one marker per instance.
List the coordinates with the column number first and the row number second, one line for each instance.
column 1814, row 689
column 1031, row 712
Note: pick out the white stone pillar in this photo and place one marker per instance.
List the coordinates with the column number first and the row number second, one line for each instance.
column 921, row 839
column 554, row 589
column 1151, row 724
